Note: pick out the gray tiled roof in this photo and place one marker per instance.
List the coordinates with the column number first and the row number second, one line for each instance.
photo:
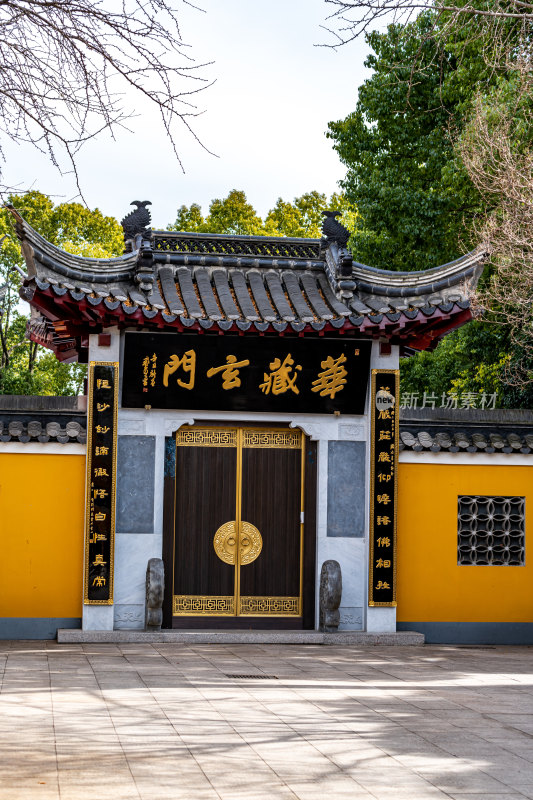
column 240, row 283
column 466, row 431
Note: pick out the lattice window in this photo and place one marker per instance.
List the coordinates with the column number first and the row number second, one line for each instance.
column 491, row 531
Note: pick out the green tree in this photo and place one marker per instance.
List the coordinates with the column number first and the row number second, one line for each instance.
column 403, row 174
column 26, row 368
column 303, row 217
column 418, row 153
column 189, row 218
column 471, row 359
column 235, row 215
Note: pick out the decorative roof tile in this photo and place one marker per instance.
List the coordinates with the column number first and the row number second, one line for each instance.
column 466, row 431
column 42, row 419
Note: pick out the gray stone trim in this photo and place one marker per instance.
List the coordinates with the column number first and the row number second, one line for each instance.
column 16, row 628
column 37, row 430
column 346, row 489
column 495, row 417
column 54, row 404
column 135, row 484
column 360, row 638
column 491, row 531
column 477, row 633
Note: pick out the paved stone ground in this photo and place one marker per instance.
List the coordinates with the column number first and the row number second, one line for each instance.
column 124, row 722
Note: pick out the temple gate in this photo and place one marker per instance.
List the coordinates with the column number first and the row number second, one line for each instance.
column 243, row 417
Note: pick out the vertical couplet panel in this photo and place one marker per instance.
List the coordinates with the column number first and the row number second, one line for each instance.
column 101, row 479
column 383, row 487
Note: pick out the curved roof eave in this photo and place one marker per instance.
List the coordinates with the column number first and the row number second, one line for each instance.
column 381, row 281
column 98, row 269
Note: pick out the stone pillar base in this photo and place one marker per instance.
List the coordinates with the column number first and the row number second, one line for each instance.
column 97, row 618
column 380, row 620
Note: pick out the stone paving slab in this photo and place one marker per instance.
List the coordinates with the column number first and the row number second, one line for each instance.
column 135, row 721
column 400, row 638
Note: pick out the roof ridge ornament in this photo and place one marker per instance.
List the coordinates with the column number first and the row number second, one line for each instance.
column 136, row 222
column 333, row 230
column 339, row 259
column 135, row 227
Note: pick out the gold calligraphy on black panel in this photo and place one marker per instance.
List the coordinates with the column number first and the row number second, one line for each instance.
column 101, row 467
column 383, row 487
column 232, row 373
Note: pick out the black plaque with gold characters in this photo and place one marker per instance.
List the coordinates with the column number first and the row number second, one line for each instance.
column 245, row 373
column 383, row 487
column 101, row 466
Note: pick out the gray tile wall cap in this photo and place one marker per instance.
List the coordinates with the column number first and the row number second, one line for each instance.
column 467, row 430
column 43, row 419
column 39, row 430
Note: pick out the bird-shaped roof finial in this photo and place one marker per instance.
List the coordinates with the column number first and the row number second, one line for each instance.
column 137, row 221
column 333, row 230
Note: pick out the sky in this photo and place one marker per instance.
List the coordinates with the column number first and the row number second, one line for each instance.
column 265, row 118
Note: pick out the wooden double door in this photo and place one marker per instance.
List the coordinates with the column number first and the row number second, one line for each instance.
column 239, row 529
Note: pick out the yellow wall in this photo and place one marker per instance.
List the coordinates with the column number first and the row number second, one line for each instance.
column 431, row 587
column 41, row 522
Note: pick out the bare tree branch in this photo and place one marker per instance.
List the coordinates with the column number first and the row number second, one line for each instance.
column 66, row 65
column 497, row 153
column 352, row 18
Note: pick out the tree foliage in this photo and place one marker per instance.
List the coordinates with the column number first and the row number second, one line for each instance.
column 403, row 174
column 497, row 150
column 303, row 217
column 26, row 368
column 438, row 156
column 235, row 215
column 471, row 359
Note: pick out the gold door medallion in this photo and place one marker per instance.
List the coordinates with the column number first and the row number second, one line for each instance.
column 226, row 540
column 251, row 543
